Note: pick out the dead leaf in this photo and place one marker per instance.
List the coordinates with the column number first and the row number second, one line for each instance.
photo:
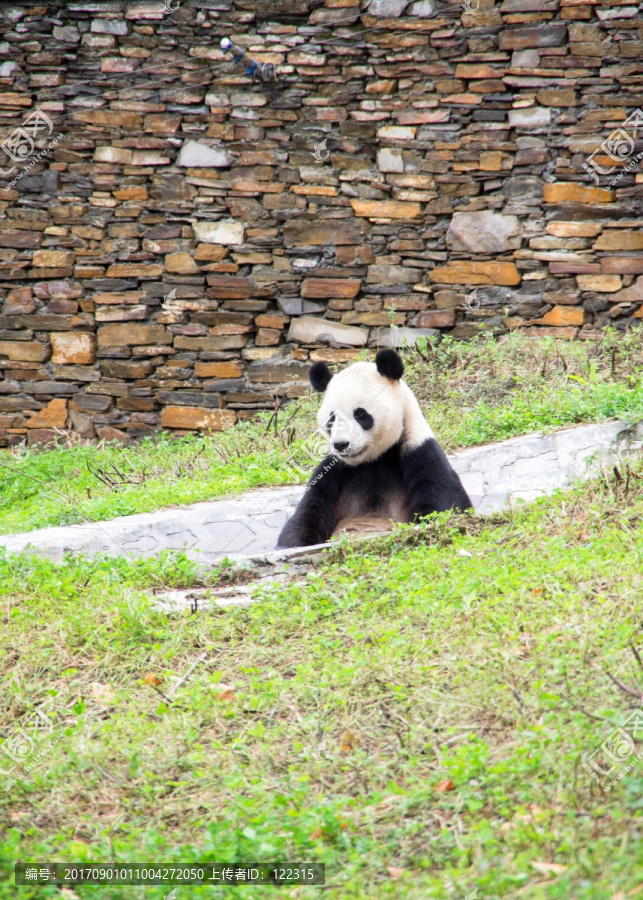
column 152, row 678
column 619, row 895
column 546, row 868
column 102, row 692
column 316, row 834
column 223, row 692
column 394, row 872
column 444, row 785
column 348, row 741
column 538, row 590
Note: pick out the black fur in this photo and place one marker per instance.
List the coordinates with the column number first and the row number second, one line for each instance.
column 430, row 482
column 319, row 376
column 389, row 364
column 424, row 475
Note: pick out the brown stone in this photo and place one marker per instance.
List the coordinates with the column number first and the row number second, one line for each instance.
column 227, row 287
column 385, row 209
column 210, row 252
column 196, row 418
column 436, row 318
column 113, row 435
column 181, row 264
column 73, row 347
column 217, row 370
column 271, row 321
column 54, row 415
column 465, row 272
column 569, row 192
column 354, row 256
column 54, row 259
column 134, row 270
column 322, row 288
column 617, row 239
column 552, row 97
column 562, row 315
column 131, row 193
column 19, row 302
column 130, row 334
column 622, row 265
column 317, row 233
column 26, row 351
column 600, row 283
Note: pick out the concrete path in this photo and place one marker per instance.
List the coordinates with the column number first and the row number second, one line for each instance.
column 495, row 475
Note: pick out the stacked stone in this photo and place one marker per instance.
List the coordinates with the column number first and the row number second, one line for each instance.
column 195, row 238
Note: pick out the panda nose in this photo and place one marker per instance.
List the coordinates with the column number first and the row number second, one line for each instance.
column 340, row 446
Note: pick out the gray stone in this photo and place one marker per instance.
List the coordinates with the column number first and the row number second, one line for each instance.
column 390, row 160
column 297, row 306
column 312, row 330
column 631, row 294
column 423, row 9
column 525, row 59
column 393, row 274
column 109, row 26
column 196, row 155
column 531, row 117
column 402, row 337
column 390, row 9
column 524, row 188
column 483, row 232
column 226, row 232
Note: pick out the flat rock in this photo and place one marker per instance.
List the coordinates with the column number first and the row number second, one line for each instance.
column 227, row 232
column 484, row 232
column 196, row 155
column 311, row 330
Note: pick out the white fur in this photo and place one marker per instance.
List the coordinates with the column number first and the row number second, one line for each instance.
column 396, row 413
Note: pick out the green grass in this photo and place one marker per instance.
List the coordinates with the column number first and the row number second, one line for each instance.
column 468, row 651
column 472, row 393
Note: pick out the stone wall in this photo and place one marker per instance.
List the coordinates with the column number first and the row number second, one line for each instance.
column 178, row 242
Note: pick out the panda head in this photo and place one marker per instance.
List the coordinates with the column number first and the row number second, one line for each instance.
column 362, row 413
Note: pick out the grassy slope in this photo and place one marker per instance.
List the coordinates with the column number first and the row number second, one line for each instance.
column 329, row 714
column 472, row 393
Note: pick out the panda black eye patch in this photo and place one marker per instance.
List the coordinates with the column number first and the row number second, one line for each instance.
column 363, row 418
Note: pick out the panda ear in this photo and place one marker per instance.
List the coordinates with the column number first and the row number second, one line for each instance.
column 319, row 376
column 389, row 364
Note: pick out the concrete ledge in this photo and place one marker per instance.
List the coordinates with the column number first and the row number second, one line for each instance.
column 496, row 475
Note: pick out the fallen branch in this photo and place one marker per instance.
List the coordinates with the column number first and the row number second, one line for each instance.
column 182, row 680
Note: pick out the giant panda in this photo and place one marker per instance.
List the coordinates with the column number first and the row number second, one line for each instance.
column 384, row 462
